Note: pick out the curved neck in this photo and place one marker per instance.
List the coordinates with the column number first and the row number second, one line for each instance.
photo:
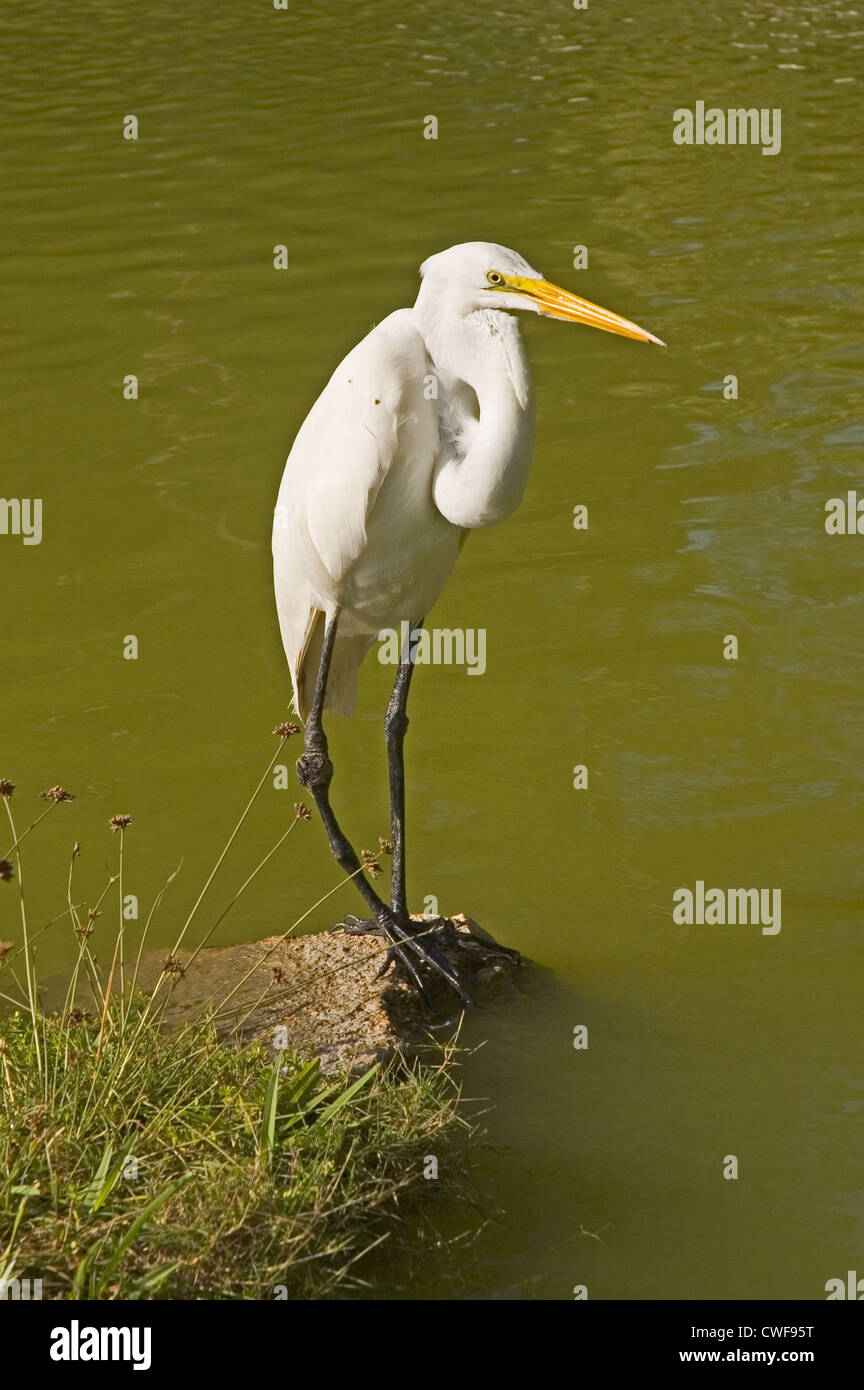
column 487, row 414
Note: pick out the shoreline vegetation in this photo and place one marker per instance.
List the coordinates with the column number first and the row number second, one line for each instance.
column 141, row 1160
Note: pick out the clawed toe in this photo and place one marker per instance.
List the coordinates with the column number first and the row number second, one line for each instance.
column 412, row 945
column 357, row 926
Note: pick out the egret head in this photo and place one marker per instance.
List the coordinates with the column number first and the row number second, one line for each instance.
column 482, row 275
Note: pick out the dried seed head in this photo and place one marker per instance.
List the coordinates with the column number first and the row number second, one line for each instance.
column 278, row 975
column 5, row 871
column 370, row 863
column 386, row 845
column 172, row 966
column 302, row 812
column 75, row 1017
column 83, row 932
column 286, row 730
column 93, row 913
column 36, row 1121
column 5, row 948
column 56, row 794
column 6, row 787
column 120, row 822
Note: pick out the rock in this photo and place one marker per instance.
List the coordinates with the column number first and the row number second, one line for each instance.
column 324, row 995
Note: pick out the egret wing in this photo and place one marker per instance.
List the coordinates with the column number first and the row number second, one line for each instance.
column 371, row 414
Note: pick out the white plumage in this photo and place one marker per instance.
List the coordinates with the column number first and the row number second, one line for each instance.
column 423, row 432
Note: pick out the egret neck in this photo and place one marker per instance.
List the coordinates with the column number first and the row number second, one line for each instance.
column 488, row 419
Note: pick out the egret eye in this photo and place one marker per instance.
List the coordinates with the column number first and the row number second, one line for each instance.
column 493, row 277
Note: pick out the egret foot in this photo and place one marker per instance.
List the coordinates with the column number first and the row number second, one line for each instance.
column 358, row 926
column 409, row 938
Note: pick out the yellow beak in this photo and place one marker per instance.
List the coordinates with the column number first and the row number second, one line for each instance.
column 555, row 303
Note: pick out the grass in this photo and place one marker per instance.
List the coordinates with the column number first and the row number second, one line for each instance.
column 140, row 1162
column 182, row 1168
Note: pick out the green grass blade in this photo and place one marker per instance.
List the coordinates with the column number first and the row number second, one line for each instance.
column 95, row 1186
column 348, row 1095
column 267, row 1135
column 140, row 1221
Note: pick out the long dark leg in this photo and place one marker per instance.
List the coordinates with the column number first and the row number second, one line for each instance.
column 315, row 771
column 396, row 725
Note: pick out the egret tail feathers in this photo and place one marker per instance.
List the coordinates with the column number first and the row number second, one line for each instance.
column 348, row 654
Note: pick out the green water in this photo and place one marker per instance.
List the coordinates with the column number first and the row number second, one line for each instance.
column 605, row 647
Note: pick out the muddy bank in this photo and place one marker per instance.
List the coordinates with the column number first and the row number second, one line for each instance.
column 324, row 996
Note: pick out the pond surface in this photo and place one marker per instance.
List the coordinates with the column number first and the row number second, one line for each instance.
column 605, row 646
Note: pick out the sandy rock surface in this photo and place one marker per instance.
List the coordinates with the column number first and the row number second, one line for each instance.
column 323, row 994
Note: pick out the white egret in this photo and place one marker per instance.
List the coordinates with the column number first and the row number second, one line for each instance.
column 424, row 432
